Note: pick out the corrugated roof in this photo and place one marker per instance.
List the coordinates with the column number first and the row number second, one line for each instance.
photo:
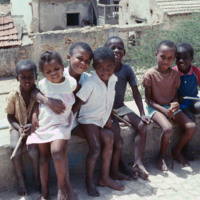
column 177, row 7
column 8, row 33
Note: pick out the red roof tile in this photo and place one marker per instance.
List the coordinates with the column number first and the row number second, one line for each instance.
column 8, row 33
column 10, row 43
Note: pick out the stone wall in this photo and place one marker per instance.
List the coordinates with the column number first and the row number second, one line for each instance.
column 9, row 58
column 62, row 40
column 95, row 36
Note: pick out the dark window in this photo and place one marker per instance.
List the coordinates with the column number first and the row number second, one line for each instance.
column 73, row 19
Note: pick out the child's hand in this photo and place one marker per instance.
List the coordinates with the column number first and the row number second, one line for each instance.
column 35, row 122
column 21, row 130
column 174, row 106
column 56, row 105
column 109, row 123
column 27, row 129
column 145, row 119
column 169, row 112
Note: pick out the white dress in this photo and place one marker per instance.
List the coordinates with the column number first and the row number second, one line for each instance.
column 53, row 126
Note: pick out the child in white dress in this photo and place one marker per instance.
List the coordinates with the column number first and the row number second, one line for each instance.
column 53, row 130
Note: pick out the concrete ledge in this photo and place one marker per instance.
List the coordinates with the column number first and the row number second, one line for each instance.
column 78, row 149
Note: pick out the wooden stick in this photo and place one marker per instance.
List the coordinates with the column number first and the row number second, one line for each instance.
column 17, row 146
column 121, row 119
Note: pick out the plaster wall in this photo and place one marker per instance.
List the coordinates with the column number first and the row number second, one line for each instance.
column 10, row 57
column 23, row 8
column 53, row 15
column 130, row 10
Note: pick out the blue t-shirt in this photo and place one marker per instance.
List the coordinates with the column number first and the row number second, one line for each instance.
column 124, row 76
column 189, row 85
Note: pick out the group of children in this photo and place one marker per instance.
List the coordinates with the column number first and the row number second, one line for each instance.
column 70, row 99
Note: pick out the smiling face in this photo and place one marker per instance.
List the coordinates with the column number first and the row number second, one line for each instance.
column 165, row 57
column 26, row 78
column 183, row 60
column 79, row 61
column 53, row 71
column 117, row 47
column 104, row 69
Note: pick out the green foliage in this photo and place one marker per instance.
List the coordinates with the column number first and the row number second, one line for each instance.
column 142, row 55
column 187, row 30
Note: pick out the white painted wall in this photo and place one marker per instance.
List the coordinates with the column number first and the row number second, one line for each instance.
column 22, row 7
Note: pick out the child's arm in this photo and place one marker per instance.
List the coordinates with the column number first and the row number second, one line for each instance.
column 138, row 100
column 56, row 105
column 77, row 105
column 168, row 112
column 15, row 124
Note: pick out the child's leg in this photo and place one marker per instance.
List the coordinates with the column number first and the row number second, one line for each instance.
column 185, row 150
column 117, row 149
column 92, row 135
column 34, row 155
column 196, row 107
column 167, row 131
column 57, row 152
column 189, row 128
column 17, row 161
column 45, row 156
column 70, row 192
column 107, row 139
column 140, row 141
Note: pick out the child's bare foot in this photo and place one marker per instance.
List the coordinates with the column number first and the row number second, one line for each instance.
column 108, row 182
column 42, row 198
column 120, row 176
column 22, row 191
column 45, row 194
column 128, row 170
column 161, row 165
column 142, row 172
column 37, row 187
column 71, row 195
column 62, row 194
column 179, row 157
column 92, row 190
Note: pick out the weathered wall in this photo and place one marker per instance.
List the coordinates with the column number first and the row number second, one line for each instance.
column 95, row 36
column 23, row 8
column 9, row 58
column 61, row 41
column 130, row 11
column 58, row 13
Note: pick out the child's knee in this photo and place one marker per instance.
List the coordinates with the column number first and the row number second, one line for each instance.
column 109, row 138
column 168, row 131
column 191, row 127
column 94, row 151
column 33, row 151
column 57, row 154
column 142, row 129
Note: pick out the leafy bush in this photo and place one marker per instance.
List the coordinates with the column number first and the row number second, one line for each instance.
column 142, row 56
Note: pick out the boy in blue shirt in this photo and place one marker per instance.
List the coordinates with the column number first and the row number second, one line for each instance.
column 190, row 80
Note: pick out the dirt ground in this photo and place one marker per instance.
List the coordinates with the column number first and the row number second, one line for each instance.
column 6, row 85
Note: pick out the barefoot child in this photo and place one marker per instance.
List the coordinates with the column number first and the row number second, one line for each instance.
column 190, row 79
column 126, row 75
column 95, row 100
column 161, row 84
column 53, row 130
column 79, row 58
column 19, row 110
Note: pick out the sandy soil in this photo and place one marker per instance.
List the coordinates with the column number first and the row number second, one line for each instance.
column 6, row 85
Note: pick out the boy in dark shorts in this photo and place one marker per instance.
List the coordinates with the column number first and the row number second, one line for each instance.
column 126, row 75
